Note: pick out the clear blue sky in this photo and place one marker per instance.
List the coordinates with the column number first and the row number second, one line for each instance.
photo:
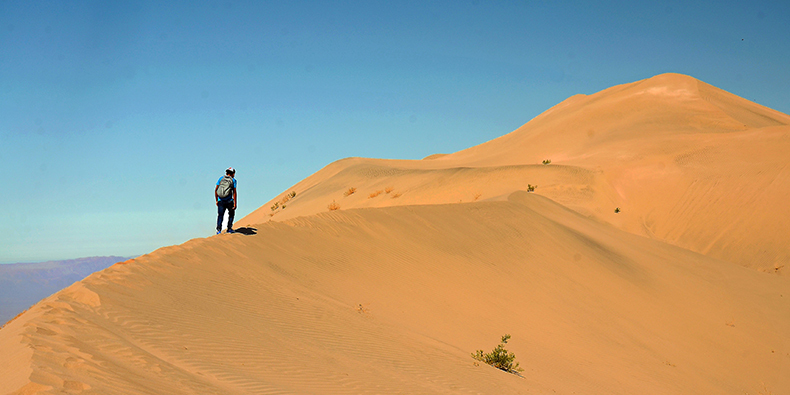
column 117, row 118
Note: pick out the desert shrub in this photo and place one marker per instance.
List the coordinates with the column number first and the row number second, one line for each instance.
column 547, row 161
column 499, row 357
column 617, row 210
column 477, row 195
column 350, row 191
column 374, row 194
column 531, row 188
column 333, row 206
column 388, row 189
column 282, row 201
column 395, row 195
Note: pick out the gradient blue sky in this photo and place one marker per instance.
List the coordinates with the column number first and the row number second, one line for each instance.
column 117, row 118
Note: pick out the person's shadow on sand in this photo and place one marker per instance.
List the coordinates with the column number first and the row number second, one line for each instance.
column 246, row 231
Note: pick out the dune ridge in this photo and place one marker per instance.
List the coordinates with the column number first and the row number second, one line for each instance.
column 590, row 308
column 24, row 284
column 685, row 162
column 427, row 261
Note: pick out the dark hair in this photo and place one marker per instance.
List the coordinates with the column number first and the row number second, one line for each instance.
column 229, row 172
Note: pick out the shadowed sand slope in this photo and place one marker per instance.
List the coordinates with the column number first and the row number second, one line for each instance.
column 685, row 162
column 394, row 300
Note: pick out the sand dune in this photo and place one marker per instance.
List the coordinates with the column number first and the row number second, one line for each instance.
column 686, row 163
column 24, row 284
column 394, row 300
column 393, row 291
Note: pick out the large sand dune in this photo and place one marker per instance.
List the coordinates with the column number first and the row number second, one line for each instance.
column 393, row 291
column 686, row 163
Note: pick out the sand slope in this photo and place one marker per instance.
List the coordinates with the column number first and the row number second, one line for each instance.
column 24, row 284
column 686, row 163
column 394, row 301
column 427, row 261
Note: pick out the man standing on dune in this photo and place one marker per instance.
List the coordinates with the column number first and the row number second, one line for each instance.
column 226, row 198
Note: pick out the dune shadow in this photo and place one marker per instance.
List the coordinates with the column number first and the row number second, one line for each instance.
column 246, row 231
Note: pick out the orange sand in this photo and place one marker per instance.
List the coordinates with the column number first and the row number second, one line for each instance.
column 393, row 291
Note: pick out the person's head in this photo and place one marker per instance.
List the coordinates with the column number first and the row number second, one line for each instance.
column 230, row 171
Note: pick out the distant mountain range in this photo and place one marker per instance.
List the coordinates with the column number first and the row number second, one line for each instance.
column 24, row 284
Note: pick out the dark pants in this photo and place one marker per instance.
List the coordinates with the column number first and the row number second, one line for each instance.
column 221, row 207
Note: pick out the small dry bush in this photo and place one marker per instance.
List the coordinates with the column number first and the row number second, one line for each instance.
column 531, row 188
column 547, row 161
column 395, row 195
column 388, row 189
column 374, row 194
column 287, row 198
column 499, row 357
column 333, row 206
column 284, row 200
column 477, row 195
column 350, row 191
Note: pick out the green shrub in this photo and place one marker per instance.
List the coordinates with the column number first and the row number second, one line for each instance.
column 499, row 357
column 547, row 161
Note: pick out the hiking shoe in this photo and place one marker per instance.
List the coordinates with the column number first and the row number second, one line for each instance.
column 231, row 230
column 219, row 231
